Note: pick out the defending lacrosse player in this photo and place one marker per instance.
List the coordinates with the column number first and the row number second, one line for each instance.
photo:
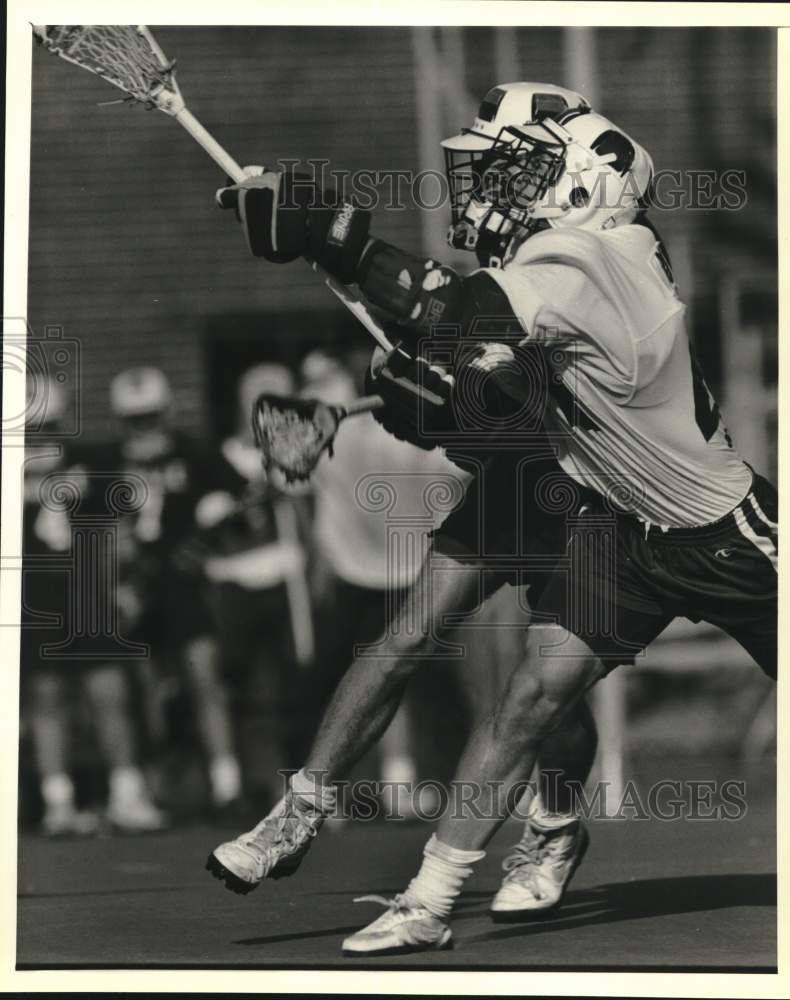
column 575, row 316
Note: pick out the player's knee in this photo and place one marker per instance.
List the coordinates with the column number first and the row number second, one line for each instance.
column 526, row 710
column 542, row 690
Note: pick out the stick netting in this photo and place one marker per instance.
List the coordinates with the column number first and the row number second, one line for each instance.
column 121, row 54
column 293, row 433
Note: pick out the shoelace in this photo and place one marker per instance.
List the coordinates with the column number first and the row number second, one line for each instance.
column 282, row 834
column 394, row 907
column 523, row 864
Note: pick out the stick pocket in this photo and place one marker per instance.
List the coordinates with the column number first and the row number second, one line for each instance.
column 292, row 434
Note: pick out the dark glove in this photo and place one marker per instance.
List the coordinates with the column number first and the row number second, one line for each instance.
column 286, row 215
column 418, row 398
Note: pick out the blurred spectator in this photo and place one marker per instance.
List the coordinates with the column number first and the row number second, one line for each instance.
column 257, row 563
column 360, row 582
column 189, row 489
column 57, row 484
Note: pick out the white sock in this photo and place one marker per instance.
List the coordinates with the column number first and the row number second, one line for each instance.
column 225, row 778
column 127, row 783
column 441, row 876
column 57, row 790
column 541, row 819
column 309, row 787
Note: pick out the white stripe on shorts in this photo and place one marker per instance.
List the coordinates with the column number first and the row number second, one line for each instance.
column 759, row 512
column 765, row 545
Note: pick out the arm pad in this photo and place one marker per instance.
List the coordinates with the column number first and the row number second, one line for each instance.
column 418, row 292
column 421, row 294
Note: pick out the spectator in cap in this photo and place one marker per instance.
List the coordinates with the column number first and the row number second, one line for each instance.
column 190, row 487
column 51, row 682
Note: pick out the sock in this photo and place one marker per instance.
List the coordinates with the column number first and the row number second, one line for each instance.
column 225, row 779
column 540, row 818
column 308, row 787
column 57, row 790
column 441, row 876
column 127, row 783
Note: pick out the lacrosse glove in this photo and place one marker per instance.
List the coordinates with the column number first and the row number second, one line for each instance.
column 417, row 396
column 286, row 215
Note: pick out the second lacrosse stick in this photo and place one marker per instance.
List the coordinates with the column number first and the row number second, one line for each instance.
column 293, row 433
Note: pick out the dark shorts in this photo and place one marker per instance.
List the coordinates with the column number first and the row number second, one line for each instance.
column 177, row 612
column 514, row 520
column 621, row 582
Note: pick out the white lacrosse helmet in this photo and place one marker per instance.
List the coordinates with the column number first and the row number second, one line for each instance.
column 139, row 391
column 536, row 157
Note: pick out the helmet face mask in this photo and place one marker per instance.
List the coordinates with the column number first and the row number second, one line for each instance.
column 556, row 166
column 493, row 192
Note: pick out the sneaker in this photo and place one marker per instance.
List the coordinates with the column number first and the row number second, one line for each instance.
column 135, row 814
column 272, row 849
column 404, row 927
column 66, row 821
column 538, row 871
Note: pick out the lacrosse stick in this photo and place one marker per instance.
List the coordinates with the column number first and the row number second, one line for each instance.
column 128, row 56
column 293, row 433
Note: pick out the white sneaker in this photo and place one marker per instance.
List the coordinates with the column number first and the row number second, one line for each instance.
column 272, row 849
column 135, row 814
column 538, row 871
column 405, row 926
column 66, row 821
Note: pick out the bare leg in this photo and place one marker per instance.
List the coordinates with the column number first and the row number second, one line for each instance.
column 504, row 747
column 369, row 693
column 49, row 723
column 566, row 758
column 360, row 710
column 202, row 664
column 129, row 806
column 107, row 689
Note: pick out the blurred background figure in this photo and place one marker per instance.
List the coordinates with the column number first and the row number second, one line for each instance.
column 258, row 567
column 189, row 488
column 362, row 571
column 55, row 475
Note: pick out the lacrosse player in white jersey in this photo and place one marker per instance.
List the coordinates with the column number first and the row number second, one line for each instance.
column 571, row 328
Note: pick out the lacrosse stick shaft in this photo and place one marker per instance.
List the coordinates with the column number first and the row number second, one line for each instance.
column 224, row 160
column 299, row 604
column 365, row 404
column 205, row 139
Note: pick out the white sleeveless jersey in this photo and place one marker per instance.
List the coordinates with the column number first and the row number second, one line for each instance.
column 629, row 413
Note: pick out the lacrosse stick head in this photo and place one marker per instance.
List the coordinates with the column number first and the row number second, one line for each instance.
column 293, row 433
column 125, row 55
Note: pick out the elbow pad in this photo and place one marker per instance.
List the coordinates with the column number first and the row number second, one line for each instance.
column 418, row 292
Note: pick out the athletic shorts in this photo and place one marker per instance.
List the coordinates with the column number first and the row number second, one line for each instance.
column 178, row 611
column 514, row 519
column 621, row 582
